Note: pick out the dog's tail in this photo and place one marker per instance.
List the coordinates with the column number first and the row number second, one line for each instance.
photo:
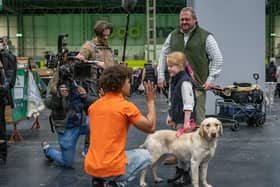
column 143, row 146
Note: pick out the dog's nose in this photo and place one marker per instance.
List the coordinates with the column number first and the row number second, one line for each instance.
column 213, row 135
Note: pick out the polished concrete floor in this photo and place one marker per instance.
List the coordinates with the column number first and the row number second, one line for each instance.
column 247, row 158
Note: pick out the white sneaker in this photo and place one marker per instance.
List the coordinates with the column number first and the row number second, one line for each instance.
column 84, row 152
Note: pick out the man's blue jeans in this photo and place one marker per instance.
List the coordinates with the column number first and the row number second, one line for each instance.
column 138, row 159
column 67, row 142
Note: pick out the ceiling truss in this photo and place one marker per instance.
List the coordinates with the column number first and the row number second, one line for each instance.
column 84, row 6
column 273, row 7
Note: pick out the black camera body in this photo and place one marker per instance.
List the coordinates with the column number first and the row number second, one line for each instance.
column 62, row 53
column 75, row 71
column 65, row 72
column 87, row 70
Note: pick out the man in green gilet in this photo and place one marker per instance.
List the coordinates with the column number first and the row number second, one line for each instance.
column 202, row 52
column 205, row 59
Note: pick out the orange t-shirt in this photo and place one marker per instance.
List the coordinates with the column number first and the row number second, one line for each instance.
column 110, row 117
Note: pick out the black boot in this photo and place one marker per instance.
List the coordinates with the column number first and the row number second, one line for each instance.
column 178, row 174
column 187, row 177
column 184, row 179
column 112, row 184
column 96, row 182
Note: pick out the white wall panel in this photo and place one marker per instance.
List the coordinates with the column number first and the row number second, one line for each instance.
column 239, row 28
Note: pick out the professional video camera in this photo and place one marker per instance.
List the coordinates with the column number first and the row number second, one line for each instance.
column 66, row 72
column 79, row 70
column 71, row 70
column 76, row 72
column 62, row 53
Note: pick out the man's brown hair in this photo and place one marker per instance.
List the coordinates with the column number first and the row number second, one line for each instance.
column 100, row 26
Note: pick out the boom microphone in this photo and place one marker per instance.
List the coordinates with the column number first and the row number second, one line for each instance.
column 129, row 5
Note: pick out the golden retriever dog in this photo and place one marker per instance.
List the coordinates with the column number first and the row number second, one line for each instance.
column 198, row 147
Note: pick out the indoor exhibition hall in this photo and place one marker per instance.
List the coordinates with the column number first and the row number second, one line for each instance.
column 139, row 93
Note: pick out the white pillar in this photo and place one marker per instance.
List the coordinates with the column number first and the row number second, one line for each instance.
column 239, row 28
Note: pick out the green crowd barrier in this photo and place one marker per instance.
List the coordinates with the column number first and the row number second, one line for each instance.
column 19, row 94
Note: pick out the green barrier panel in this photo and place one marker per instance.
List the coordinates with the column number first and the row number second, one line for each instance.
column 135, row 63
column 19, row 93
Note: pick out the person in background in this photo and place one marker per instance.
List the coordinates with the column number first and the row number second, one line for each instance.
column 97, row 49
column 271, row 72
column 202, row 52
column 7, row 81
column 68, row 116
column 110, row 118
column 5, row 50
column 278, row 81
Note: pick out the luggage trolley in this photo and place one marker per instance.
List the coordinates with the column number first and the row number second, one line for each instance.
column 241, row 102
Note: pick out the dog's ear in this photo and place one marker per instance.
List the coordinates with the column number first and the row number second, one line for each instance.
column 221, row 131
column 201, row 129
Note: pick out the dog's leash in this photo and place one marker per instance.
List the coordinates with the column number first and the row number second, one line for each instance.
column 182, row 130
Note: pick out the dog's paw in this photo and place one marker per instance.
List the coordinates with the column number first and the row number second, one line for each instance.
column 143, row 184
column 207, row 185
column 158, row 180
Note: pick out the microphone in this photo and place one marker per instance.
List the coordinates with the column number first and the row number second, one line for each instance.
column 129, row 5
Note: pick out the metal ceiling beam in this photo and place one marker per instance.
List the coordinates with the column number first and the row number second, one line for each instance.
column 90, row 6
column 9, row 6
column 273, row 7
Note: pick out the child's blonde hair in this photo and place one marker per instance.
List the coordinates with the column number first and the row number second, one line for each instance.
column 180, row 59
column 177, row 59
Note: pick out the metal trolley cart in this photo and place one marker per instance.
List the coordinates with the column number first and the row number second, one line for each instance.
column 227, row 110
column 241, row 102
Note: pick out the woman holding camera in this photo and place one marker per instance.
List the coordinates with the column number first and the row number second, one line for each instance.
column 69, row 119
